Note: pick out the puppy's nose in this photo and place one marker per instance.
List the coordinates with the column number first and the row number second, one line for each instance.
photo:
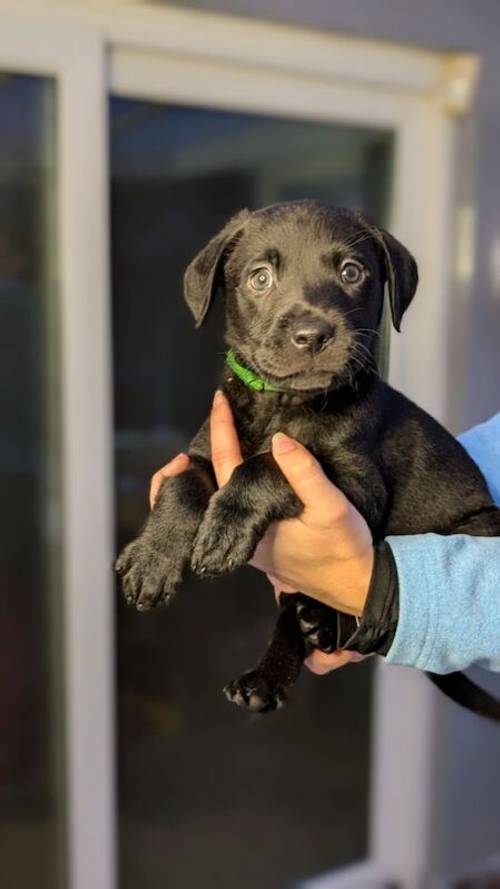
column 311, row 336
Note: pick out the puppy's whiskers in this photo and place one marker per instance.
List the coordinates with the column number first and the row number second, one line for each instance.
column 362, row 357
column 368, row 331
column 363, row 349
column 352, row 311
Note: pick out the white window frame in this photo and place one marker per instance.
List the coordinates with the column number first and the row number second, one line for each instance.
column 97, row 48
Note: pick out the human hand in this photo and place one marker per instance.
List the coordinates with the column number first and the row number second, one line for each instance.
column 326, row 551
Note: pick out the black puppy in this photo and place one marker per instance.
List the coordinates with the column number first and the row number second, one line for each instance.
column 304, row 285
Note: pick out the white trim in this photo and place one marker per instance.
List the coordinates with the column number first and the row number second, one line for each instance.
column 87, row 376
column 422, row 218
column 406, row 704
column 402, row 774
column 76, row 59
column 266, row 45
column 222, row 84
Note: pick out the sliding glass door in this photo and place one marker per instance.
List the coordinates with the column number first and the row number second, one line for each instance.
column 207, row 794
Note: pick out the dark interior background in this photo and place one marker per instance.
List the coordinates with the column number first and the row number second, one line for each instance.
column 31, row 596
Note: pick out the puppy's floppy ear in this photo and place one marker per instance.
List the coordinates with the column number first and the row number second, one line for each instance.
column 202, row 274
column 401, row 274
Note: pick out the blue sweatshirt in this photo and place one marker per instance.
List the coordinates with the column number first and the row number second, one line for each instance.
column 449, row 587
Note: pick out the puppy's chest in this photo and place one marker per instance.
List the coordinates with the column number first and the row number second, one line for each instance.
column 324, row 437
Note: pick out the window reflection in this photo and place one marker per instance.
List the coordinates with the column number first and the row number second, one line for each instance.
column 30, row 714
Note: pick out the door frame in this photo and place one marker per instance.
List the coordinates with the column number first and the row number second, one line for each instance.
column 76, row 59
column 164, row 54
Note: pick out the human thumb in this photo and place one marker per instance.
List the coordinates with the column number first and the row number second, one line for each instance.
column 306, row 477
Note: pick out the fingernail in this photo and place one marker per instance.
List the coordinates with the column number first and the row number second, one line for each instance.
column 177, row 457
column 218, row 397
column 282, row 444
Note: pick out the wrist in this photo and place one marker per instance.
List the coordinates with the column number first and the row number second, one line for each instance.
column 362, row 576
column 375, row 631
column 357, row 583
column 344, row 585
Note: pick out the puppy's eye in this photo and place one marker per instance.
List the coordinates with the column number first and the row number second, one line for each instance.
column 351, row 273
column 261, row 280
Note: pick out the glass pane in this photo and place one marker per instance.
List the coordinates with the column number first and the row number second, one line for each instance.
column 208, row 795
column 30, row 545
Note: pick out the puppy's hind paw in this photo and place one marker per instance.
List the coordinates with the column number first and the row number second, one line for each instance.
column 253, row 692
column 318, row 625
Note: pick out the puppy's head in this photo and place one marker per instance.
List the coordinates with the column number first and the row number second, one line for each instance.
column 303, row 285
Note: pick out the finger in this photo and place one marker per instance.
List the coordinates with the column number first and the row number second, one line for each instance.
column 225, row 447
column 307, row 478
column 321, row 663
column 179, row 464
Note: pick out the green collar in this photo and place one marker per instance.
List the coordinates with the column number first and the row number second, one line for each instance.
column 248, row 377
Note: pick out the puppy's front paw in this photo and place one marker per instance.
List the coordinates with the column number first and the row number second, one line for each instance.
column 148, row 576
column 254, row 692
column 226, row 537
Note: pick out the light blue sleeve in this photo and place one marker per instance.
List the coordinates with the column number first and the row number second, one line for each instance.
column 449, row 587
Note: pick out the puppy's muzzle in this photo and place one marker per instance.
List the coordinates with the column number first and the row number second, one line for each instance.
column 311, row 336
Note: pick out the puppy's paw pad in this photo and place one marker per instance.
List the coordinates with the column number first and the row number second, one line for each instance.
column 253, row 692
column 318, row 625
column 148, row 577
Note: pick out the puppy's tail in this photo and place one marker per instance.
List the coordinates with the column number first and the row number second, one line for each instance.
column 465, row 692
